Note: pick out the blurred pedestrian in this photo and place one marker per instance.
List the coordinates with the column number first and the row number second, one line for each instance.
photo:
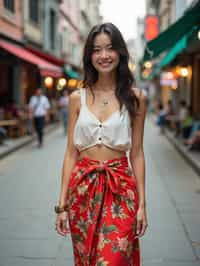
column 3, row 135
column 39, row 107
column 161, row 117
column 187, row 123
column 63, row 106
column 102, row 190
column 178, row 119
column 182, row 114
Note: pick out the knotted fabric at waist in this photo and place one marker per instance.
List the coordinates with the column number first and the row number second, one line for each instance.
column 116, row 174
column 106, row 164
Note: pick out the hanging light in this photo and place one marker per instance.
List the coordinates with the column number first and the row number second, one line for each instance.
column 198, row 34
column 148, row 64
column 62, row 82
column 72, row 83
column 48, row 82
column 184, row 72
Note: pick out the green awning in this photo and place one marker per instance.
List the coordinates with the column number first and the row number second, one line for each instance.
column 174, row 33
column 181, row 45
column 177, row 49
column 170, row 56
column 71, row 73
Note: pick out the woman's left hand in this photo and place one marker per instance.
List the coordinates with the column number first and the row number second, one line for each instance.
column 141, row 225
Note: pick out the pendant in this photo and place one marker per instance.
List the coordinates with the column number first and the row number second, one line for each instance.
column 105, row 102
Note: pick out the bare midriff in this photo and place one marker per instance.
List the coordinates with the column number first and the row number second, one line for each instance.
column 101, row 152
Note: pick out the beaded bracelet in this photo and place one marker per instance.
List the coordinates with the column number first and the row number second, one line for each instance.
column 59, row 209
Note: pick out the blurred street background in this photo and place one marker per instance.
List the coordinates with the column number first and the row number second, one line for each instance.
column 41, row 45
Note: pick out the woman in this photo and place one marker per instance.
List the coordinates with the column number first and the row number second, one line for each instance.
column 102, row 198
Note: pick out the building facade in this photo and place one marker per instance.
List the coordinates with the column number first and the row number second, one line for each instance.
column 187, row 86
column 11, row 26
column 90, row 15
column 25, row 57
column 69, row 31
column 76, row 19
column 36, row 39
column 33, row 22
column 11, row 19
column 50, row 26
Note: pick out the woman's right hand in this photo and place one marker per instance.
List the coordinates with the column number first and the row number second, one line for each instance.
column 61, row 224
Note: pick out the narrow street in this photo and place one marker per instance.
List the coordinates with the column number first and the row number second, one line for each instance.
column 29, row 189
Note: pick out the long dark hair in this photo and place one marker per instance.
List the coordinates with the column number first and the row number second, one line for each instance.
column 124, row 77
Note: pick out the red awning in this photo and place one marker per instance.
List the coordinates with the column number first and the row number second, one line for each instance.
column 50, row 58
column 45, row 68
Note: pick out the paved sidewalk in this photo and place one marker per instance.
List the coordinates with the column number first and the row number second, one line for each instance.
column 173, row 204
column 191, row 157
column 13, row 145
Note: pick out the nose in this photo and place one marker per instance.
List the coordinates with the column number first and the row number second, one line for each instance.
column 104, row 53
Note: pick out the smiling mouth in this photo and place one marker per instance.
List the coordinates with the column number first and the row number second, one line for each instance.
column 105, row 64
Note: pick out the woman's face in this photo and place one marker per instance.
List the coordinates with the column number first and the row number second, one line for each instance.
column 104, row 58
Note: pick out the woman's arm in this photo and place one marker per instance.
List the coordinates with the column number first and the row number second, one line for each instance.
column 137, row 160
column 71, row 153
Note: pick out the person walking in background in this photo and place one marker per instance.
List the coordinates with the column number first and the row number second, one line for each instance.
column 161, row 117
column 63, row 105
column 39, row 107
column 102, row 190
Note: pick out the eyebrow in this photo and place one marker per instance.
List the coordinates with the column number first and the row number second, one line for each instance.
column 98, row 46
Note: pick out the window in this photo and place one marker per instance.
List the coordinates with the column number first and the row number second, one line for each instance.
column 34, row 10
column 61, row 42
column 52, row 28
column 10, row 5
column 65, row 37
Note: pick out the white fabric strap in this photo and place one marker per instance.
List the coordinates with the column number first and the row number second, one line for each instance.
column 83, row 96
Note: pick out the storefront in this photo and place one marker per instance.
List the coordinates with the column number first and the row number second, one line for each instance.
column 196, row 85
column 174, row 57
column 22, row 72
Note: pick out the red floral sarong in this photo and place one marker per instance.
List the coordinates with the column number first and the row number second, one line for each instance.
column 103, row 202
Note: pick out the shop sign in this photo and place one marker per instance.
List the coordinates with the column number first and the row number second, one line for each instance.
column 151, row 27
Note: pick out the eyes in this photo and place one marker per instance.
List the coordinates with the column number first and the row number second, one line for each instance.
column 99, row 49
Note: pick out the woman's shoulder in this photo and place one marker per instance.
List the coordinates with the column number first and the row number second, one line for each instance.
column 75, row 95
column 75, row 98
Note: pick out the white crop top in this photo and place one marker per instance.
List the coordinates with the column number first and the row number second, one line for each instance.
column 114, row 132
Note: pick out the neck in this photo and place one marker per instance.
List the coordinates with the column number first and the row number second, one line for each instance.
column 106, row 82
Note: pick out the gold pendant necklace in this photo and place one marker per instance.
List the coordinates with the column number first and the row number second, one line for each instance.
column 105, row 102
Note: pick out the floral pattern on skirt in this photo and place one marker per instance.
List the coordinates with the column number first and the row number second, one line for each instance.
column 102, row 206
